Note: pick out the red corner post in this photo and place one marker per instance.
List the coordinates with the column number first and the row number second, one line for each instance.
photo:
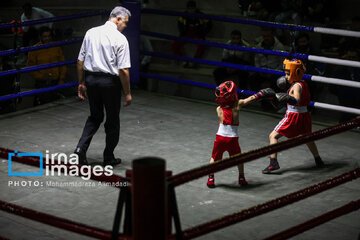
column 149, row 199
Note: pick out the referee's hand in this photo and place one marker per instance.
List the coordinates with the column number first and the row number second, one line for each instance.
column 128, row 100
column 82, row 91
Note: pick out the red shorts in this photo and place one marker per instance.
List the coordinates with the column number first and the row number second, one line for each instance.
column 223, row 144
column 294, row 124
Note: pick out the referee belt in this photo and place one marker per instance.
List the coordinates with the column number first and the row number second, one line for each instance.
column 100, row 74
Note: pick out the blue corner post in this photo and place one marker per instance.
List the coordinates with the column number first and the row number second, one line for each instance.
column 132, row 33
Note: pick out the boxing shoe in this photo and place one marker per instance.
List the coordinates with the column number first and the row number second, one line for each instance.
column 81, row 156
column 211, row 181
column 274, row 165
column 242, row 181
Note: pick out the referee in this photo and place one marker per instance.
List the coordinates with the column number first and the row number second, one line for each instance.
column 103, row 69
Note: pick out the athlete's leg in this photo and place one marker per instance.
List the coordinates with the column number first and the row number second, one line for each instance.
column 274, row 165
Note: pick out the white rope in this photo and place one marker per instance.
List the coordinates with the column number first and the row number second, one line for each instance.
column 334, row 61
column 336, row 81
column 336, row 108
column 340, row 32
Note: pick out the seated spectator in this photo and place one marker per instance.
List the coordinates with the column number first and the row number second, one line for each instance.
column 269, row 42
column 30, row 35
column 222, row 74
column 191, row 27
column 348, row 96
column 303, row 45
column 353, row 42
column 50, row 76
column 259, row 9
column 319, row 11
column 145, row 45
column 7, row 86
column 259, row 80
column 289, row 13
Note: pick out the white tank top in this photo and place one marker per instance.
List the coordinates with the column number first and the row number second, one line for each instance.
column 227, row 130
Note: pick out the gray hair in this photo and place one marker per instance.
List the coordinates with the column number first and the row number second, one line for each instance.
column 120, row 12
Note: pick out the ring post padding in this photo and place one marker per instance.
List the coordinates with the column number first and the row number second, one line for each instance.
column 149, row 205
column 132, row 33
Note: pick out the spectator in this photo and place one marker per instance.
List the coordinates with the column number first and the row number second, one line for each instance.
column 145, row 45
column 192, row 27
column 222, row 74
column 260, row 9
column 290, row 12
column 50, row 76
column 320, row 11
column 259, row 80
column 303, row 45
column 352, row 42
column 33, row 13
column 348, row 96
column 268, row 42
column 7, row 86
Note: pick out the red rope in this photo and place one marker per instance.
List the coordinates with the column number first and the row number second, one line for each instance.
column 293, row 231
column 55, row 221
column 193, row 174
column 34, row 161
column 269, row 206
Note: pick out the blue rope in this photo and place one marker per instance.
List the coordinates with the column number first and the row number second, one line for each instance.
column 37, row 91
column 229, row 19
column 197, row 84
column 224, row 45
column 38, row 67
column 53, row 19
column 210, row 62
column 42, row 46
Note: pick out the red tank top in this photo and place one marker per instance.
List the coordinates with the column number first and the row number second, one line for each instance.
column 228, row 116
column 305, row 94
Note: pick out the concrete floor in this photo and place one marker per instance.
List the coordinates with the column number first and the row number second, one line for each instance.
column 182, row 132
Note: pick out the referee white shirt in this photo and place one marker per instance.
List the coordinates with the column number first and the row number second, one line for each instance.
column 105, row 49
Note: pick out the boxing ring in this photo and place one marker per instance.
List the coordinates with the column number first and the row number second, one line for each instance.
column 181, row 132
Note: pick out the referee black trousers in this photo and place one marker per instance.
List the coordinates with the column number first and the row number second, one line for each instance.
column 104, row 92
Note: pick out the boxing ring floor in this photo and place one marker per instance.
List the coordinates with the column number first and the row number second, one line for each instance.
column 182, row 132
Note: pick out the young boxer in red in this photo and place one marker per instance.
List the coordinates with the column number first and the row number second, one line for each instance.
column 227, row 136
column 297, row 120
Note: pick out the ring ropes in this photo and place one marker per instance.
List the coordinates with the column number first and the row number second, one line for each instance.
column 290, row 27
column 277, row 203
column 223, row 164
column 278, row 150
column 254, row 22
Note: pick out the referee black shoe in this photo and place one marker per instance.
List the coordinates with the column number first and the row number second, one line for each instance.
column 81, row 156
column 112, row 161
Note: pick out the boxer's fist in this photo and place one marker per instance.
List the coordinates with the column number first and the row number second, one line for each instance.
column 282, row 83
column 265, row 93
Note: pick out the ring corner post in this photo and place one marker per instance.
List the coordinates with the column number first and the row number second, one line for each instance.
column 132, row 33
column 149, row 199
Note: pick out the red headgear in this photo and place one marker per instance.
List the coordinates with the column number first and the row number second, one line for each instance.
column 226, row 93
